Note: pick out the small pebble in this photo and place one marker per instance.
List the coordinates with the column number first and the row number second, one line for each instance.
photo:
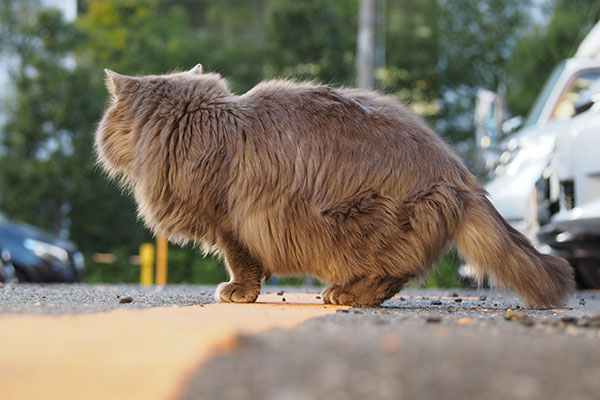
column 482, row 298
column 433, row 319
column 280, row 293
column 459, row 300
column 318, row 297
column 436, row 303
column 454, row 294
column 125, row 300
column 582, row 302
column 283, row 299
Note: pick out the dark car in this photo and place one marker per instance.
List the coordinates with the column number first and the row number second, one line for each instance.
column 38, row 256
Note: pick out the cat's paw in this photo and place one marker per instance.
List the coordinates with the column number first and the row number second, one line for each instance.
column 344, row 296
column 326, row 293
column 233, row 292
column 335, row 294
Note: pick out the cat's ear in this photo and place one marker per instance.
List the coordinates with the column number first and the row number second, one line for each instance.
column 114, row 81
column 197, row 69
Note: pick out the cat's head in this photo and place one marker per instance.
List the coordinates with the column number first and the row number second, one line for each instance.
column 143, row 108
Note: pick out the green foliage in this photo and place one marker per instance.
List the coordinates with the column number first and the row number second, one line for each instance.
column 44, row 140
column 47, row 172
column 312, row 40
column 122, row 271
column 412, row 48
column 185, row 266
column 189, row 266
column 476, row 43
column 136, row 37
column 445, row 275
column 232, row 37
column 537, row 53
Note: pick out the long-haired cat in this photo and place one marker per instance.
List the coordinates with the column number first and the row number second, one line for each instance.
column 296, row 178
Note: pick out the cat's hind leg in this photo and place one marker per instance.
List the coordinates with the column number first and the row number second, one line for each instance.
column 364, row 292
column 245, row 273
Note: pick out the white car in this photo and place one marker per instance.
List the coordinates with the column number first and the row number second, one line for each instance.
column 547, row 179
column 569, row 196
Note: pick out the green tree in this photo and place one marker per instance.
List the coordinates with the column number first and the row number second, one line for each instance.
column 477, row 39
column 42, row 135
column 137, row 37
column 537, row 53
column 232, row 36
column 313, row 39
column 412, row 50
column 47, row 169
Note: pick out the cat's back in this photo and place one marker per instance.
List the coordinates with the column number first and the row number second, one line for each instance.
column 351, row 112
column 359, row 130
column 344, row 117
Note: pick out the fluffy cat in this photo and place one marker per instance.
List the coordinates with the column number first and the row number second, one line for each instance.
column 296, row 178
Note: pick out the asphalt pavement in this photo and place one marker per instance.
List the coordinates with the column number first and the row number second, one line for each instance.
column 423, row 344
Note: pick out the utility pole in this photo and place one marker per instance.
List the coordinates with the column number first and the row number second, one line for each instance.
column 365, row 59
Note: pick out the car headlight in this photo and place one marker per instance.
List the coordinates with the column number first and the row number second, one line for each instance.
column 47, row 251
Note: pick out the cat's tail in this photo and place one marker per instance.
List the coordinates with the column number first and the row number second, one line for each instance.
column 495, row 248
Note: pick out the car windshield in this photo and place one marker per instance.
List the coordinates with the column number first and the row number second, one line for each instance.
column 565, row 106
column 540, row 102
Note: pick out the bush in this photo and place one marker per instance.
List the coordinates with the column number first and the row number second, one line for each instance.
column 186, row 265
column 445, row 275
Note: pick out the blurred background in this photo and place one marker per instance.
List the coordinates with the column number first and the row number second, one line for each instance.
column 446, row 58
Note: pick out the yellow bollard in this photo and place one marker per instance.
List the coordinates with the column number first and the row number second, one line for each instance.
column 146, row 263
column 162, row 249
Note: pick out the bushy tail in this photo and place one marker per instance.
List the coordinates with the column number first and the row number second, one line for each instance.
column 489, row 243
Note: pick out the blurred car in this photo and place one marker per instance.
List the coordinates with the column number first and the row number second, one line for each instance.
column 568, row 197
column 546, row 182
column 38, row 256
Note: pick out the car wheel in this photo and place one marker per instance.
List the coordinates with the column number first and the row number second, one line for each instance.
column 588, row 272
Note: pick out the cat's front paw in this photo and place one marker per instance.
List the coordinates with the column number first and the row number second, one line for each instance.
column 233, row 292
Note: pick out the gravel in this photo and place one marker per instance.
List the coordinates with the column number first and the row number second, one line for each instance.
column 77, row 299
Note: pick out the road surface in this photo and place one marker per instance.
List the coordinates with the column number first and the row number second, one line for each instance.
column 79, row 341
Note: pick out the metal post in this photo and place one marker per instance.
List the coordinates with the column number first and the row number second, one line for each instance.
column 162, row 249
column 146, row 263
column 366, row 44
